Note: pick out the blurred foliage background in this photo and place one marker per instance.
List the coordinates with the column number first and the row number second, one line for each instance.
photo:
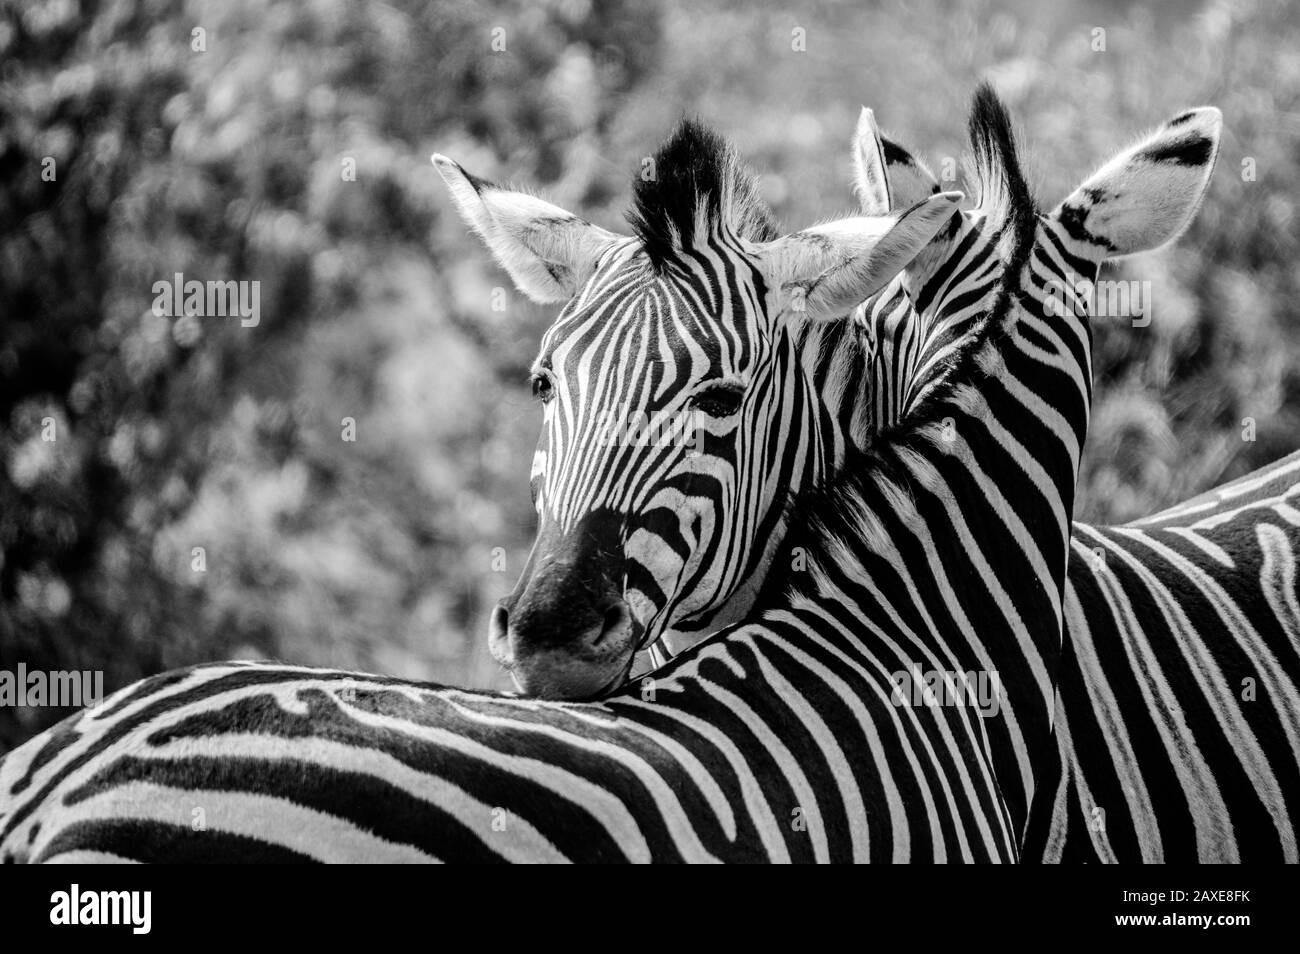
column 385, row 553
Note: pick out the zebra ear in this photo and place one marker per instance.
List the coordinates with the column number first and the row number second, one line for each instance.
column 1146, row 195
column 550, row 253
column 870, row 174
column 887, row 176
column 828, row 270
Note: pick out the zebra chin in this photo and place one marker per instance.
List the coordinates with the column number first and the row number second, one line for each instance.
column 587, row 665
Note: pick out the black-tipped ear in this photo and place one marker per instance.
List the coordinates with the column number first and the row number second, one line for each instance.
column 910, row 180
column 1146, row 196
column 550, row 253
column 887, row 176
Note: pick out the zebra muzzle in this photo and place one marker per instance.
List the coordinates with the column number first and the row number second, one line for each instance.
column 591, row 660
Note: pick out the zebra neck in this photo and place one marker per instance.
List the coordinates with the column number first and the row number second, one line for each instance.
column 914, row 331
column 931, row 276
column 948, row 535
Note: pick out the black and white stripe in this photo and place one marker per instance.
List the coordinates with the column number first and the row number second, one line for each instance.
column 1179, row 711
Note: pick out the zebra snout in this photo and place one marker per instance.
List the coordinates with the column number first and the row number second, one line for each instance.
column 591, row 660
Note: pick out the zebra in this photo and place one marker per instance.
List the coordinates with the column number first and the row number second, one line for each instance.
column 1178, row 710
column 671, row 329
column 782, row 737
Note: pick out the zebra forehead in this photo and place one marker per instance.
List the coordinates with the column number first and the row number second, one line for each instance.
column 693, row 187
column 665, row 346
column 678, row 313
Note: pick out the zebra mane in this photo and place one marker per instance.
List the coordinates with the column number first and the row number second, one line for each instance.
column 696, row 182
column 1004, row 194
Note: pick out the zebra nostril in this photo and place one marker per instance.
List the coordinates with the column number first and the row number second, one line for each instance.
column 499, row 627
column 617, row 620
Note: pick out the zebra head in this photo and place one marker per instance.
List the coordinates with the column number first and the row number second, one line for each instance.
column 679, row 412
column 1143, row 198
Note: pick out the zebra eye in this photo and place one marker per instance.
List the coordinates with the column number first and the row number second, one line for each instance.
column 719, row 400
column 542, row 389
